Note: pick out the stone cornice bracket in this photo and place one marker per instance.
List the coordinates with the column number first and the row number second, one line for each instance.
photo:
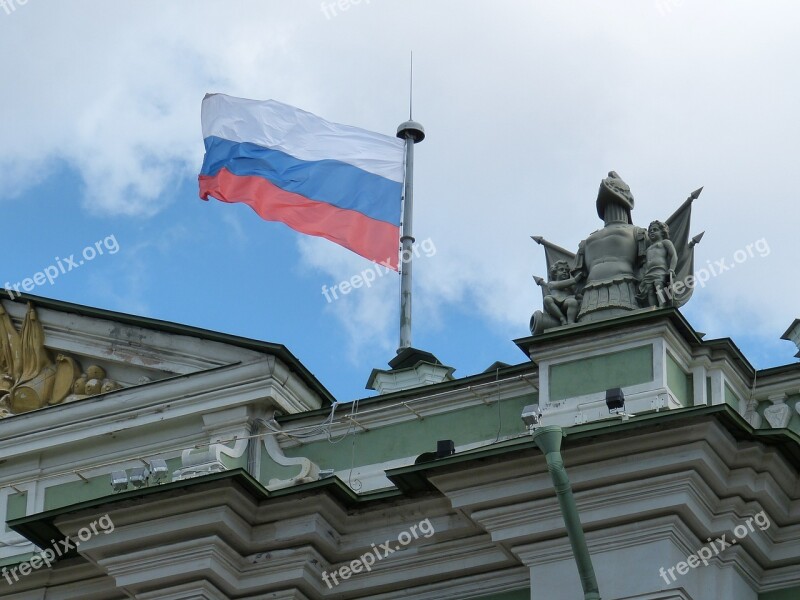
column 223, row 427
column 309, row 471
column 199, row 461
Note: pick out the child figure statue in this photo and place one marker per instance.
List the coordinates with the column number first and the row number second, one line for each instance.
column 560, row 300
column 659, row 267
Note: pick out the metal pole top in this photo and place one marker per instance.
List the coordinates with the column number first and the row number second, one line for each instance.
column 411, row 130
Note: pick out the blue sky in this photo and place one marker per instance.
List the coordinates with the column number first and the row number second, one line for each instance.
column 526, row 105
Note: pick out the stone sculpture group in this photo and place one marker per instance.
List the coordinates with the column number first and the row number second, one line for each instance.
column 619, row 268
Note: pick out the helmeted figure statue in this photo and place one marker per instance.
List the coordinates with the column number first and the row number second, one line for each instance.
column 609, row 258
column 612, row 273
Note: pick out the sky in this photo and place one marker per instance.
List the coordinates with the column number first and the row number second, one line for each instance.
column 526, row 104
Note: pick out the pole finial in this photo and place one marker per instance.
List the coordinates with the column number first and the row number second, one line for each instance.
column 411, row 90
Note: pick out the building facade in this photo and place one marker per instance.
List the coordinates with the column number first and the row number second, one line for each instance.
column 148, row 460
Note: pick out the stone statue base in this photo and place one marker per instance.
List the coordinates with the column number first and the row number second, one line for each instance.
column 612, row 298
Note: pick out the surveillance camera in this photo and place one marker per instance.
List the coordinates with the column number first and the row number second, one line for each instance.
column 139, row 476
column 531, row 415
column 159, row 471
column 119, row 481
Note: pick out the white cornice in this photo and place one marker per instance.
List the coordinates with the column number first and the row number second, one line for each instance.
column 108, row 340
column 265, row 382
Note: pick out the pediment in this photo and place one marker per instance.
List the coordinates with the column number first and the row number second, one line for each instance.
column 51, row 356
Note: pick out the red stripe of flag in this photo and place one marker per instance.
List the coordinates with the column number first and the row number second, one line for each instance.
column 374, row 240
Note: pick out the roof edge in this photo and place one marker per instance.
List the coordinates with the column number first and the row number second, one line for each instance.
column 278, row 350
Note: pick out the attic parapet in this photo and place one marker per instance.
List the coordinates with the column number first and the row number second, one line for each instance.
column 414, row 405
column 660, row 363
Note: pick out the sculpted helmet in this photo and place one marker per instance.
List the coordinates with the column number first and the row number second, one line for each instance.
column 613, row 189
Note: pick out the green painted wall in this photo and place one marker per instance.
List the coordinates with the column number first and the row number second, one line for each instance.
column 272, row 470
column 413, row 437
column 17, row 506
column 77, row 491
column 599, row 373
column 730, row 397
column 65, row 494
column 15, row 560
column 787, row 594
column 679, row 382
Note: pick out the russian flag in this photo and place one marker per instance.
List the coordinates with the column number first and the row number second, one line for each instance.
column 334, row 181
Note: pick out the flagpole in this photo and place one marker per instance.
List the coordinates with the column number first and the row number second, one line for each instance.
column 413, row 133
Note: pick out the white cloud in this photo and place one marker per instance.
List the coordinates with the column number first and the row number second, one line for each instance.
column 527, row 106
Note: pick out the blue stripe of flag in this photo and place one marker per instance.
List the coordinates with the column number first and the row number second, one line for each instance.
column 331, row 181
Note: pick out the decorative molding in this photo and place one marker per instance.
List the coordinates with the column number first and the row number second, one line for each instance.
column 309, row 471
column 750, row 415
column 779, row 414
